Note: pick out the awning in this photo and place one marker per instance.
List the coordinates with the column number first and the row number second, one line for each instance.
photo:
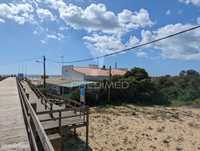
column 76, row 84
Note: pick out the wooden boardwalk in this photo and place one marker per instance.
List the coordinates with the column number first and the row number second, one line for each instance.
column 13, row 135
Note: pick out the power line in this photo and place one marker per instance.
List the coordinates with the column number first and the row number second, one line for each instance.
column 53, row 61
column 131, row 48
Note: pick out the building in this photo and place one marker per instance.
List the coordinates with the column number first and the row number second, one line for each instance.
column 73, row 77
column 91, row 73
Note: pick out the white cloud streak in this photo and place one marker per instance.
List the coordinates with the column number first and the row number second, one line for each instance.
column 45, row 14
column 2, row 20
column 185, row 46
column 194, row 2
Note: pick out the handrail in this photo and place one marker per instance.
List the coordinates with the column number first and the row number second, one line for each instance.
column 68, row 99
column 45, row 142
column 3, row 78
column 45, row 101
column 28, row 124
column 69, row 102
column 65, row 110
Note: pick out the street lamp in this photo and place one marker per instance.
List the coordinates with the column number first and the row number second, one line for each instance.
column 44, row 70
column 62, row 62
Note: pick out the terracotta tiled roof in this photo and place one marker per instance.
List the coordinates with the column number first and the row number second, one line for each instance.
column 58, row 80
column 98, row 71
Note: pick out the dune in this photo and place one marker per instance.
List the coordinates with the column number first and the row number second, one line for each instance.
column 131, row 128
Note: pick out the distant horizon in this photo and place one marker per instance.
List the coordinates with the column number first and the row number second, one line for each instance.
column 60, row 74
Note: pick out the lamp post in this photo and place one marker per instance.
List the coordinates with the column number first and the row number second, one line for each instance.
column 44, row 70
column 62, row 63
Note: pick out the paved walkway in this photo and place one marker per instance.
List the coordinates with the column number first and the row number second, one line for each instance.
column 13, row 135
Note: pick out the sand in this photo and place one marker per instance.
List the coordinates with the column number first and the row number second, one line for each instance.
column 130, row 128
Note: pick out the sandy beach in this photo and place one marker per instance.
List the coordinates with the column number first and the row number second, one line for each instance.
column 130, row 128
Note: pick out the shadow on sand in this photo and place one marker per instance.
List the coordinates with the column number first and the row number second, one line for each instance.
column 71, row 142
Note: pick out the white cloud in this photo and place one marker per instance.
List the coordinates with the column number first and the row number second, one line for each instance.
column 2, row 20
column 185, row 46
column 141, row 54
column 103, row 44
column 194, row 2
column 198, row 20
column 133, row 41
column 105, row 29
column 96, row 17
column 168, row 12
column 56, row 4
column 131, row 20
column 43, row 41
column 57, row 36
column 93, row 18
column 20, row 13
column 45, row 14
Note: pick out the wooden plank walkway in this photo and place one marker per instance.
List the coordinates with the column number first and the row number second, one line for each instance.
column 13, row 135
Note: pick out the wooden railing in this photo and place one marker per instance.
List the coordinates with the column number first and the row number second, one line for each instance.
column 3, row 78
column 44, row 100
column 67, row 101
column 49, row 100
column 34, row 127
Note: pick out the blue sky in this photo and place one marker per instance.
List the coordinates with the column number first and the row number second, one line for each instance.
column 78, row 29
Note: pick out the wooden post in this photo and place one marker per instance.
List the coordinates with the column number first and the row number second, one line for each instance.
column 34, row 106
column 87, row 129
column 51, row 109
column 45, row 103
column 74, row 131
column 27, row 95
column 42, row 101
column 60, row 124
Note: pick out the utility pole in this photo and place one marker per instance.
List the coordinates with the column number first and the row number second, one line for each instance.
column 62, row 63
column 115, row 65
column 109, row 87
column 44, row 74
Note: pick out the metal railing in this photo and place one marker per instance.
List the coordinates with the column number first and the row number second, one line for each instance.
column 36, row 132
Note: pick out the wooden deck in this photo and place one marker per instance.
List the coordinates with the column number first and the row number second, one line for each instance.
column 13, row 135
